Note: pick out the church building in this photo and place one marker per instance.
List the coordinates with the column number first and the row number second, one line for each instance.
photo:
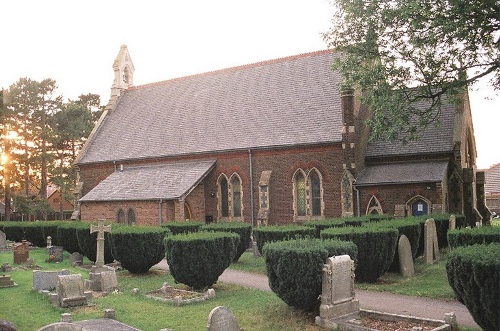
column 274, row 142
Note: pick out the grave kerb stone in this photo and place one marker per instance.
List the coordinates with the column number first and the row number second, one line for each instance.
column 405, row 256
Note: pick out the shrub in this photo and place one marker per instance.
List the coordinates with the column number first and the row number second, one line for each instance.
column 265, row 234
column 138, row 248
column 244, row 230
column 183, row 227
column 198, row 259
column 88, row 243
column 481, row 235
column 14, row 231
column 376, row 248
column 320, row 225
column 474, row 274
column 295, row 268
column 68, row 237
column 34, row 232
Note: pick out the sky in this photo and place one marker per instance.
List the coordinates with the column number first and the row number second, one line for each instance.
column 76, row 42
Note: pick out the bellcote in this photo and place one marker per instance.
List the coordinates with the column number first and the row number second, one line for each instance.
column 124, row 72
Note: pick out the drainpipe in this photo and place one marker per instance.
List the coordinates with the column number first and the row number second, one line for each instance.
column 357, row 199
column 160, row 211
column 250, row 161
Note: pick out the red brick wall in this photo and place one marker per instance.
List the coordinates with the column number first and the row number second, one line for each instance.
column 146, row 212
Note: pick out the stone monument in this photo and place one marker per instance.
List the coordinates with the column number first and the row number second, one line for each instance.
column 431, row 248
column 337, row 298
column 6, row 281
column 405, row 257
column 70, row 291
column 101, row 277
column 222, row 319
column 47, row 280
column 21, row 252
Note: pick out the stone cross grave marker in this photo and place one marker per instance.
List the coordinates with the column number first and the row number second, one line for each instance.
column 21, row 252
column 405, row 257
column 431, row 248
column 3, row 240
column 70, row 291
column 337, row 296
column 222, row 319
column 100, row 229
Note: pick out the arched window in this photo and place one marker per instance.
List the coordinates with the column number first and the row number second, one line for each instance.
column 307, row 194
column 230, row 197
column 315, row 193
column 130, row 217
column 236, row 195
column 224, row 196
column 300, row 193
column 120, row 216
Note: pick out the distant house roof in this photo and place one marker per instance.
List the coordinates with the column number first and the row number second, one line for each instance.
column 432, row 140
column 153, row 182
column 403, row 173
column 492, row 179
column 284, row 102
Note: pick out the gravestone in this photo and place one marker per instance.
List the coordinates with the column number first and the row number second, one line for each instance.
column 3, row 240
column 100, row 229
column 453, row 222
column 431, row 248
column 21, row 252
column 6, row 281
column 55, row 253
column 337, row 296
column 109, row 282
column 101, row 277
column 49, row 242
column 62, row 326
column 75, row 258
column 405, row 257
column 70, row 291
column 47, row 280
column 222, row 319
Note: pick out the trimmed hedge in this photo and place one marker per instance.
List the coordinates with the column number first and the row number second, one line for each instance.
column 244, row 230
column 266, row 234
column 34, row 232
column 481, row 235
column 67, row 235
column 88, row 243
column 320, row 225
column 138, row 248
column 198, row 259
column 474, row 274
column 295, row 268
column 183, row 227
column 14, row 231
column 376, row 248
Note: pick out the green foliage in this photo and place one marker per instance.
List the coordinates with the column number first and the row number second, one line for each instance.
column 138, row 248
column 183, row 227
column 325, row 224
column 198, row 259
column 482, row 235
column 244, row 230
column 265, row 234
column 67, row 235
column 376, row 248
column 14, row 231
column 474, row 274
column 88, row 243
column 295, row 268
column 34, row 232
column 408, row 56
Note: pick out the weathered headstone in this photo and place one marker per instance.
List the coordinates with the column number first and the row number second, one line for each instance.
column 75, row 258
column 70, row 291
column 47, row 280
column 109, row 282
column 453, row 222
column 3, row 240
column 6, row 281
column 431, row 248
column 337, row 296
column 222, row 319
column 21, row 252
column 55, row 253
column 405, row 257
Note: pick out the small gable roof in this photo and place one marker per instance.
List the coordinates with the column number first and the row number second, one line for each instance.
column 403, row 173
column 166, row 181
column 285, row 102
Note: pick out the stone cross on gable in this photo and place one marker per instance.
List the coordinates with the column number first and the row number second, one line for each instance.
column 100, row 229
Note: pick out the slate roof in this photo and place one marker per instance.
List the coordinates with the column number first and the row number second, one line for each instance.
column 492, row 179
column 403, row 173
column 284, row 102
column 432, row 140
column 153, row 182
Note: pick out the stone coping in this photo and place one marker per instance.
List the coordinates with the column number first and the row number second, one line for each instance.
column 179, row 297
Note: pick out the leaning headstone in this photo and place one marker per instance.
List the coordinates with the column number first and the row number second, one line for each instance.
column 55, row 253
column 47, row 280
column 453, row 222
column 431, row 248
column 75, row 258
column 21, row 252
column 222, row 319
column 6, row 281
column 337, row 296
column 405, row 257
column 3, row 240
column 70, row 291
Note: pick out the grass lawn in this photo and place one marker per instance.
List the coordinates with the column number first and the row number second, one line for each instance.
column 255, row 310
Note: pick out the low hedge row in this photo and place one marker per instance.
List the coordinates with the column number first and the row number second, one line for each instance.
column 320, row 225
column 376, row 248
column 183, row 227
column 295, row 268
column 481, row 235
column 244, row 230
column 266, row 234
column 88, row 242
column 198, row 259
column 474, row 274
column 34, row 232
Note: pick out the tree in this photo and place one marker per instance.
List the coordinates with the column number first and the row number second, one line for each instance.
column 405, row 54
